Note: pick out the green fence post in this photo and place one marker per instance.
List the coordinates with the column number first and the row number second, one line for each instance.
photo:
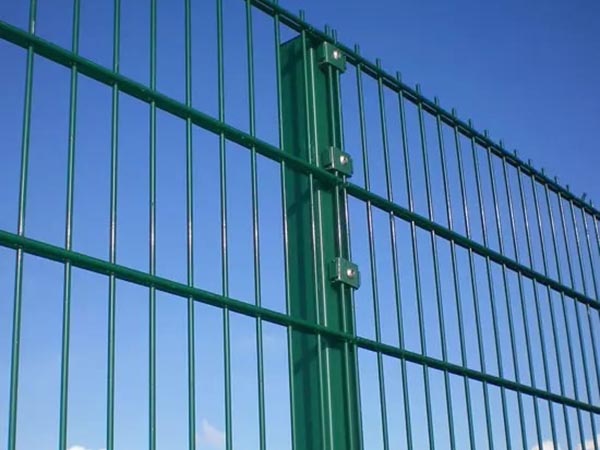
column 324, row 382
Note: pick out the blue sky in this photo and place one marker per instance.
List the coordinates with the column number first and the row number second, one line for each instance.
column 527, row 73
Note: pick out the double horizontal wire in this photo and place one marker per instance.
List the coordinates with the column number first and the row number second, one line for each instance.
column 590, row 234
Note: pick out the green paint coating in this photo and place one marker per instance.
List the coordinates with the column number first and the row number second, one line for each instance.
column 324, row 385
column 322, row 343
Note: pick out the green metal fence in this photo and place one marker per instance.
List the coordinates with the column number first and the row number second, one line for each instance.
column 489, row 284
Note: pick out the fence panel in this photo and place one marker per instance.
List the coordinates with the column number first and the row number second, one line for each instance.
column 226, row 229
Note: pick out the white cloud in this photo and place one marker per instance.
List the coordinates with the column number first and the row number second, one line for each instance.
column 547, row 445
column 589, row 444
column 81, row 447
column 211, row 435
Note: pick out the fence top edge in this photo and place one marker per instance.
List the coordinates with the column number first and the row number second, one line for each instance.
column 299, row 24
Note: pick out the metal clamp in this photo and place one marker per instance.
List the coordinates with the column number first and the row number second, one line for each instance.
column 345, row 272
column 329, row 54
column 335, row 160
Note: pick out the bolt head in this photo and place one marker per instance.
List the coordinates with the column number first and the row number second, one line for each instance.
column 336, row 54
column 343, row 160
column 350, row 272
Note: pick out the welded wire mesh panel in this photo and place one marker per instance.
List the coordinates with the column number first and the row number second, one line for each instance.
column 495, row 273
column 178, row 244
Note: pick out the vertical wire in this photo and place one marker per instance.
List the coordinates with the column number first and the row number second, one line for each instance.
column 373, row 267
column 416, row 265
column 506, row 288
column 405, row 396
column 524, row 310
column 224, row 238
column 473, row 290
column 341, row 233
column 564, row 310
column 447, row 385
column 535, row 292
column 590, row 252
column 286, row 255
column 112, row 254
column 434, row 247
column 255, row 228
column 590, row 311
column 475, row 293
column 397, row 290
column 351, row 320
column 509, row 312
column 348, row 317
column 493, row 297
column 66, row 313
column 461, row 325
column 537, row 301
column 380, row 368
column 152, row 240
column 597, row 233
column 190, row 231
column 563, row 226
column 553, row 316
column 18, row 297
column 578, row 322
column 578, row 246
column 405, row 151
column 492, row 294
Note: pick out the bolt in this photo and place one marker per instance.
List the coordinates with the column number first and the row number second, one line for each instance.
column 336, row 54
column 350, row 272
column 343, row 160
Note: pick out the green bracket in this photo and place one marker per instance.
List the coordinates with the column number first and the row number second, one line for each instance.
column 345, row 272
column 335, row 160
column 329, row 54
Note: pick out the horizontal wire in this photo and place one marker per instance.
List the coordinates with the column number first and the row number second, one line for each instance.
column 124, row 273
column 167, row 104
column 122, row 84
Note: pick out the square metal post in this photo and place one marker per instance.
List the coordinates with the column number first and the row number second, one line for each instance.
column 325, row 414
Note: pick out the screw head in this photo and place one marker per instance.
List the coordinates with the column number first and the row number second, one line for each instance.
column 343, row 160
column 350, row 272
column 336, row 54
